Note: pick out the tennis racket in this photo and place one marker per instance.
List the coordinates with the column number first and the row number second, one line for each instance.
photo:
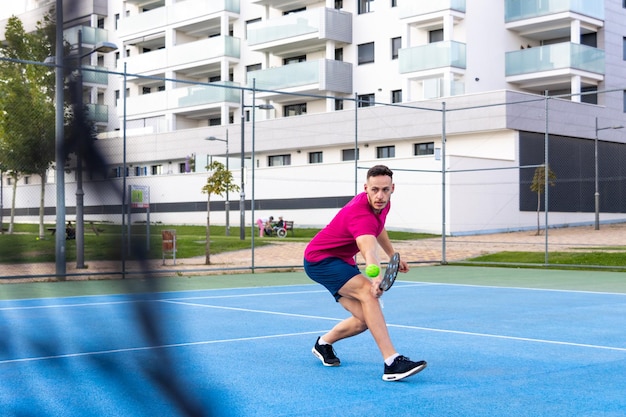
column 391, row 272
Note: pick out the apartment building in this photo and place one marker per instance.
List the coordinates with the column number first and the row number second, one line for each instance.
column 302, row 95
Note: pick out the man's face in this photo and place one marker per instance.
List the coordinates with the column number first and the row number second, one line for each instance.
column 379, row 190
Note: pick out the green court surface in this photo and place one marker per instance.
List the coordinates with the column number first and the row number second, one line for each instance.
column 598, row 281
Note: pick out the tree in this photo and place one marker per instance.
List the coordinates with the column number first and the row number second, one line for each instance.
column 27, row 112
column 538, row 184
column 220, row 181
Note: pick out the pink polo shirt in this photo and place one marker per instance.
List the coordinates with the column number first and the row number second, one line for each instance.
column 338, row 239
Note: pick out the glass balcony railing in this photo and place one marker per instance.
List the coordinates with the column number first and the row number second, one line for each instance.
column 552, row 57
column 98, row 113
column 90, row 35
column 206, row 94
column 327, row 74
column 94, row 77
column 528, row 9
column 417, row 8
column 431, row 56
column 176, row 13
column 315, row 21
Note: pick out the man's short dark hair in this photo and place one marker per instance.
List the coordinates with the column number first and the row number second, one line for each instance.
column 379, row 170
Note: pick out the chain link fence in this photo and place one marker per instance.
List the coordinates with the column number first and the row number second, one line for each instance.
column 471, row 172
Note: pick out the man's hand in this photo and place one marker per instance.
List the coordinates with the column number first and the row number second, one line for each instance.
column 376, row 291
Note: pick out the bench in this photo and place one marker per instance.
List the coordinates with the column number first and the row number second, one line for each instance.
column 289, row 226
column 70, row 232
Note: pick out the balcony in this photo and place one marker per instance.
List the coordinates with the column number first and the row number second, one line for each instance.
column 285, row 5
column 98, row 113
column 95, row 75
column 311, row 77
column 432, row 58
column 90, row 35
column 552, row 19
column 177, row 14
column 531, row 9
column 190, row 58
column 417, row 9
column 190, row 99
column 303, row 31
column 554, row 64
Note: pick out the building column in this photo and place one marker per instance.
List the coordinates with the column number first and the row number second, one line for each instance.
column 575, row 31
column 575, row 88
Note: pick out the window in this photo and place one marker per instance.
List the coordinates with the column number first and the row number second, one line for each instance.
column 315, row 158
column 348, row 155
column 182, row 167
column 100, row 23
column 301, row 9
column 156, row 169
column 366, row 53
column 117, row 19
column 249, row 22
column 294, row 109
column 26, row 180
column 435, row 35
column 427, row 148
column 366, row 100
column 624, row 47
column 278, row 160
column 385, row 152
column 396, row 96
column 394, row 3
column 366, row 6
column 140, row 171
column 338, row 104
column 294, row 60
column 253, row 67
column 215, row 121
column 590, row 96
column 396, row 44
column 624, row 101
column 338, row 4
column 339, row 54
column 145, row 90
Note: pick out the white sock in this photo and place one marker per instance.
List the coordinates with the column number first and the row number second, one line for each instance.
column 323, row 342
column 390, row 359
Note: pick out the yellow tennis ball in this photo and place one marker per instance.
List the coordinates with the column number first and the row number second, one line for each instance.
column 372, row 270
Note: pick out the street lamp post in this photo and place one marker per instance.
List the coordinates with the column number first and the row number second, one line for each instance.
column 103, row 47
column 242, row 194
column 227, row 202
column 597, row 188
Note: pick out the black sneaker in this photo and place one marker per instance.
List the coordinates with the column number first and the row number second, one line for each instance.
column 401, row 368
column 326, row 354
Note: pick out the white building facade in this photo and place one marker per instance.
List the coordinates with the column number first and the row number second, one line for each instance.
column 423, row 87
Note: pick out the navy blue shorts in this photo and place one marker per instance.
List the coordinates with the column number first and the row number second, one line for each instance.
column 332, row 273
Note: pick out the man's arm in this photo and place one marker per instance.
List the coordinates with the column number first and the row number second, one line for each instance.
column 368, row 245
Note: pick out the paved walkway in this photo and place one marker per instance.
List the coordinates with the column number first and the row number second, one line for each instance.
column 285, row 254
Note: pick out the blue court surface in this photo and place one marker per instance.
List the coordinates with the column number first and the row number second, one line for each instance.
column 491, row 351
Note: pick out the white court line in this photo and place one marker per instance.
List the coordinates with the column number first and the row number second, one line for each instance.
column 401, row 326
column 209, row 342
column 144, row 348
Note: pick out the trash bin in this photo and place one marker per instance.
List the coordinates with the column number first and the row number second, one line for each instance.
column 169, row 245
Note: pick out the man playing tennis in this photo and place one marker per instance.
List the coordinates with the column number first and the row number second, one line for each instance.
column 329, row 260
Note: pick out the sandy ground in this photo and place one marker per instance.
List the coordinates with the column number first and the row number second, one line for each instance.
column 289, row 254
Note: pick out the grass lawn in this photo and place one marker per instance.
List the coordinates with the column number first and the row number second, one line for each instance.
column 24, row 246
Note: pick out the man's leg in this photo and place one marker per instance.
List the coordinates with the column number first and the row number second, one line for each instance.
column 367, row 309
